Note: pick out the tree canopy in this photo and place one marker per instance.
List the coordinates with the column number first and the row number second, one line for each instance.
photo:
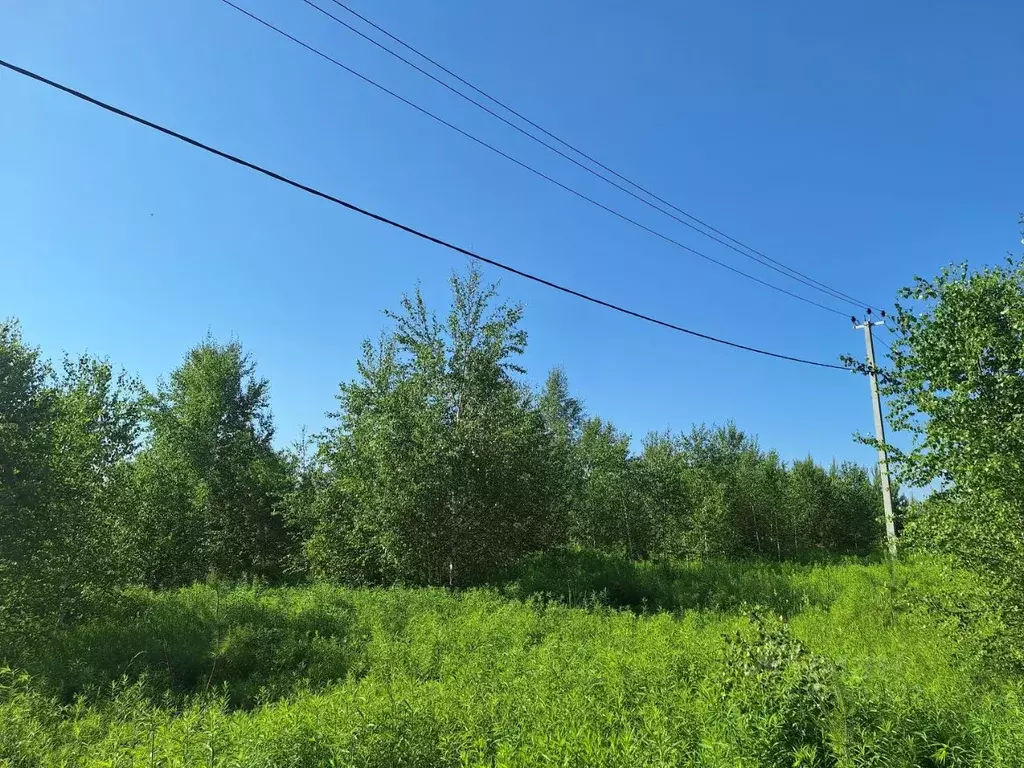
column 442, row 465
column 956, row 386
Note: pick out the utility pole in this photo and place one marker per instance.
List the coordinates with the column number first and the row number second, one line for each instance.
column 883, row 457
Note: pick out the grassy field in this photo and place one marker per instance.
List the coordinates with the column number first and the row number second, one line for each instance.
column 580, row 660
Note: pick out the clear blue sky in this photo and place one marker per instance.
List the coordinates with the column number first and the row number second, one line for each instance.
column 859, row 142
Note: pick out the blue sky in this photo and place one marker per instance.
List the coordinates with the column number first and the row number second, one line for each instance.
column 859, row 142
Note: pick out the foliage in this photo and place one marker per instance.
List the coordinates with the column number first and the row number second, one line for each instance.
column 860, row 675
column 955, row 386
column 563, row 418
column 209, row 481
column 247, row 643
column 65, row 442
column 955, row 381
column 713, row 492
column 790, row 695
column 440, row 469
column 604, row 515
column 746, row 639
column 443, row 469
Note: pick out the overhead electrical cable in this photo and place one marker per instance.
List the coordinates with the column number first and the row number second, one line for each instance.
column 404, row 227
column 758, row 258
column 531, row 169
column 751, row 252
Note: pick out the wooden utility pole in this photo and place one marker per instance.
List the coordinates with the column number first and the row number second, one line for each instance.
column 883, row 456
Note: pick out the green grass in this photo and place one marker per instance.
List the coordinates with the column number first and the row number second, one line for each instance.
column 612, row 664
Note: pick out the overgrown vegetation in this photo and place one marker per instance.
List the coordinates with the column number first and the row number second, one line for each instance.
column 957, row 386
column 859, row 669
column 176, row 590
column 441, row 467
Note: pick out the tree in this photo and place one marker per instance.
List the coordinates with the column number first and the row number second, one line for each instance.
column 563, row 420
column 439, row 467
column 27, row 410
column 713, row 492
column 726, row 478
column 760, row 514
column 27, row 443
column 666, row 488
column 857, row 497
column 811, row 506
column 956, row 386
column 65, row 442
column 607, row 515
column 562, row 413
column 717, row 448
column 209, row 481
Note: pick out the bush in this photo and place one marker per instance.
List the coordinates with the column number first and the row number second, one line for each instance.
column 254, row 644
column 861, row 672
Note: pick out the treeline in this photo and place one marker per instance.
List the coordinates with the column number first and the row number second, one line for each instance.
column 441, row 466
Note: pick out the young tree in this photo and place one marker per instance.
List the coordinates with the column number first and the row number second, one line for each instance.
column 607, row 515
column 440, row 467
column 721, row 460
column 758, row 499
column 812, row 510
column 666, row 492
column 956, row 385
column 210, row 480
column 717, row 448
column 27, row 446
column 562, row 413
column 65, row 440
column 563, row 420
column 857, row 497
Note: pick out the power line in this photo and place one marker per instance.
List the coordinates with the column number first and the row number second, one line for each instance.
column 758, row 258
column 790, row 271
column 397, row 225
column 528, row 167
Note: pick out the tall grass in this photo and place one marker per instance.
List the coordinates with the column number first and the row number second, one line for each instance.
column 713, row 665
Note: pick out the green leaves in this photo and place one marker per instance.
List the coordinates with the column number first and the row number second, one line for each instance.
column 956, row 386
column 439, row 469
column 66, row 439
column 713, row 492
column 441, row 466
column 321, row 675
column 209, row 482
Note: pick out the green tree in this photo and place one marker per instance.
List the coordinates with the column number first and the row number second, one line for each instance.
column 209, row 482
column 302, row 507
column 809, row 500
column 563, row 419
column 666, row 492
column 27, row 445
column 857, row 497
column 439, row 469
column 724, row 464
column 956, row 386
column 65, row 442
column 607, row 514
column 713, row 492
column 562, row 413
column 758, row 499
column 717, row 448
